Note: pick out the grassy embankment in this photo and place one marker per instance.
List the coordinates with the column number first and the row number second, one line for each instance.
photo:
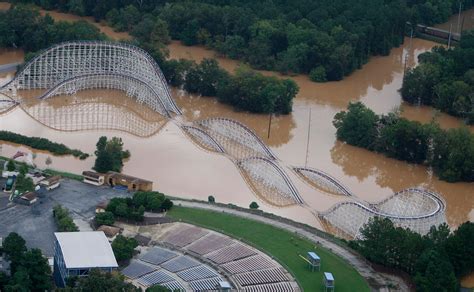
column 284, row 246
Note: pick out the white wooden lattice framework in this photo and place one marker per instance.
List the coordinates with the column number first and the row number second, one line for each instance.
column 270, row 181
column 74, row 60
column 94, row 115
column 236, row 138
column 322, row 180
column 416, row 209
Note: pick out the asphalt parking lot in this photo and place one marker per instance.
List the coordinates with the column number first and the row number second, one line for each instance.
column 35, row 223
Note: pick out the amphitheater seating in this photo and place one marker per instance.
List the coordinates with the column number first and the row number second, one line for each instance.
column 197, row 273
column 261, row 277
column 137, row 269
column 184, row 235
column 206, row 284
column 252, row 263
column 230, row 253
column 247, row 268
column 180, row 263
column 157, row 277
column 157, row 255
column 276, row 287
column 209, row 243
column 174, row 286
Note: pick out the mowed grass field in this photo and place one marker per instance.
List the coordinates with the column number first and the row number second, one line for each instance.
column 284, row 246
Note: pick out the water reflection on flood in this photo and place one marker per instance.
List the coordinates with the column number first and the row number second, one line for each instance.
column 95, row 110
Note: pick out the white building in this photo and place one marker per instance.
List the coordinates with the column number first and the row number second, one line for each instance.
column 76, row 253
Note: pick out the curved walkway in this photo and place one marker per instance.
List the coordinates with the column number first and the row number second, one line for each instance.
column 376, row 281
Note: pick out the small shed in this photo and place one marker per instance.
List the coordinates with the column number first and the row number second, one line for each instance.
column 101, row 207
column 93, row 178
column 28, row 198
column 314, row 261
column 109, row 231
column 51, row 182
column 132, row 183
column 223, row 286
column 329, row 281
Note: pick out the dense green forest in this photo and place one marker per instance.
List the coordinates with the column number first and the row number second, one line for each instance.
column 23, row 27
column 435, row 261
column 444, row 79
column 327, row 39
column 449, row 152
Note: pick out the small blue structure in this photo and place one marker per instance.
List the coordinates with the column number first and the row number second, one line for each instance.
column 314, row 261
column 329, row 281
column 224, row 286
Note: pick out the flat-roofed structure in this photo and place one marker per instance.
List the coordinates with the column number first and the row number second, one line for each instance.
column 76, row 253
column 329, row 281
column 132, row 183
column 314, row 261
column 28, row 198
column 51, row 182
column 93, row 178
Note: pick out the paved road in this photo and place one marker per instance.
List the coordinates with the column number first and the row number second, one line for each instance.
column 377, row 281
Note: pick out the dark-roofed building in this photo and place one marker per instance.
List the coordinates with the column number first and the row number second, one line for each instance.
column 28, row 198
column 110, row 231
column 132, row 183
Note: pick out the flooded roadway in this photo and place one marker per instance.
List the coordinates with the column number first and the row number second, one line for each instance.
column 306, row 137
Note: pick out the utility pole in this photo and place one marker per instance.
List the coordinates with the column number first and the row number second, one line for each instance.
column 459, row 17
column 408, row 52
column 307, row 141
column 269, row 125
column 450, row 33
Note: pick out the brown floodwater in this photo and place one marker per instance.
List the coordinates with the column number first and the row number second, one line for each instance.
column 305, row 137
column 466, row 21
column 59, row 16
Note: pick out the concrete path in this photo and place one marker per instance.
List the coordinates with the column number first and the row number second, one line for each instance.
column 376, row 280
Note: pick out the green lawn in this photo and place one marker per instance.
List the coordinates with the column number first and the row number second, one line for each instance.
column 282, row 245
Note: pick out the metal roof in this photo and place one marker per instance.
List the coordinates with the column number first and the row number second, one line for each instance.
column 313, row 255
column 86, row 249
column 328, row 276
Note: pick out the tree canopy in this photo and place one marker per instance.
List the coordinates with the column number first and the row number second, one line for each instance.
column 123, row 247
column 63, row 219
column 444, row 79
column 435, row 260
column 449, row 152
column 110, row 155
column 29, row 269
column 24, row 27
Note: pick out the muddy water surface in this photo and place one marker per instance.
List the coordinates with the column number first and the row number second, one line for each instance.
column 306, row 137
column 466, row 21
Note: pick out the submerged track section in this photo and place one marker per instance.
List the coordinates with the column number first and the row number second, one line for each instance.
column 414, row 208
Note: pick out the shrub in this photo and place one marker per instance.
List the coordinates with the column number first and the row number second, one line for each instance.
column 123, row 247
column 211, row 199
column 318, row 74
column 63, row 220
column 253, row 205
column 105, row 218
column 11, row 165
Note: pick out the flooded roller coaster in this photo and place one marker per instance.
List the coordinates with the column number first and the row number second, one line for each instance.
column 67, row 69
